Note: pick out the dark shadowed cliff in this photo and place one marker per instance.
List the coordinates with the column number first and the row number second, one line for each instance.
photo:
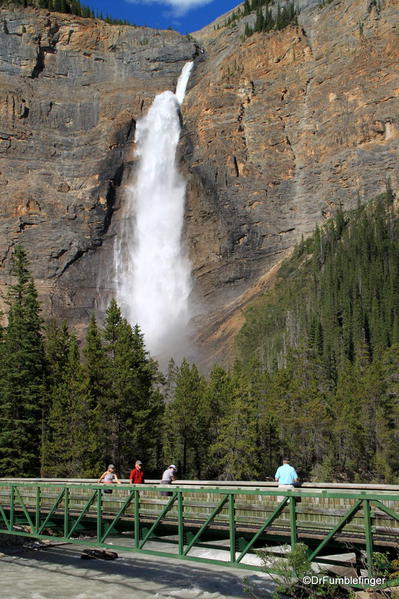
column 279, row 129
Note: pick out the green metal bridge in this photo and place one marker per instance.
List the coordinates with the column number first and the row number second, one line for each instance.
column 222, row 524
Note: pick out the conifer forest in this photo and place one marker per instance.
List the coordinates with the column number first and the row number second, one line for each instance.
column 316, row 376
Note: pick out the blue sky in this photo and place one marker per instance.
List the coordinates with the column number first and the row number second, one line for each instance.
column 183, row 15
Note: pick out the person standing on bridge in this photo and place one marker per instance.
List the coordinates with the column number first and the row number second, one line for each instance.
column 109, row 477
column 286, row 476
column 168, row 477
column 137, row 474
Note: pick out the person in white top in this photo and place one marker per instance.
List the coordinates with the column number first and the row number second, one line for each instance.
column 168, row 477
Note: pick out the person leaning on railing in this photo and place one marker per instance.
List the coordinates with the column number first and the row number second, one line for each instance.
column 286, row 476
column 168, row 477
column 109, row 477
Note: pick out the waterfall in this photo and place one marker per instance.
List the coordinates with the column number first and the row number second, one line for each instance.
column 153, row 273
column 182, row 82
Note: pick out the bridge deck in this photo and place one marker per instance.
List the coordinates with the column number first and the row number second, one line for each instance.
column 233, row 521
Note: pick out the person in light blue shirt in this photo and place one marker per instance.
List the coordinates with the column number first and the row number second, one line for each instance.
column 286, row 475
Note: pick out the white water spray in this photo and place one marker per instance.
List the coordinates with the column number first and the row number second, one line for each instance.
column 153, row 273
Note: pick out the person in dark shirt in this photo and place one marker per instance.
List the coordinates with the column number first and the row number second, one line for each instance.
column 137, row 474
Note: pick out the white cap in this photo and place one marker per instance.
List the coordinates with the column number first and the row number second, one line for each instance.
column 173, row 466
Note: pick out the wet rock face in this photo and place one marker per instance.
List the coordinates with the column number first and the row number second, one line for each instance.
column 284, row 127
column 71, row 91
column 279, row 129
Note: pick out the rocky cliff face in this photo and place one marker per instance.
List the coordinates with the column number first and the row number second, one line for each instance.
column 71, row 90
column 278, row 130
column 283, row 128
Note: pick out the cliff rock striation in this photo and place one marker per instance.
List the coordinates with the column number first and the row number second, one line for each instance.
column 284, row 127
column 279, row 129
column 71, row 91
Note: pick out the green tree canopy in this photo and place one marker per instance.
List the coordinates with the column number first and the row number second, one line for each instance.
column 23, row 375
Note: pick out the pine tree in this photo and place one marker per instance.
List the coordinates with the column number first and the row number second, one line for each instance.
column 83, row 420
column 68, row 438
column 184, row 423
column 236, row 449
column 386, row 415
column 338, row 295
column 248, row 30
column 259, row 20
column 97, row 390
column 170, row 381
column 214, row 404
column 23, row 373
column 134, row 405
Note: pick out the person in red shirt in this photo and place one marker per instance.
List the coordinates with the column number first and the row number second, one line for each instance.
column 137, row 474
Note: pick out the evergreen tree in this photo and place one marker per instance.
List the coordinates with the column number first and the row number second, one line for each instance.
column 259, row 20
column 97, row 390
column 170, row 381
column 65, row 6
column 214, row 404
column 236, row 449
column 248, row 30
column 386, row 427
column 332, row 316
column 68, row 437
column 23, row 373
column 185, row 423
column 134, row 407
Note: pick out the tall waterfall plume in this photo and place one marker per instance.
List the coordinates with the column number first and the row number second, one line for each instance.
column 153, row 273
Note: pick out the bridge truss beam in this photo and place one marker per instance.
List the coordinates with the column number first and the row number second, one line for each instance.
column 235, row 522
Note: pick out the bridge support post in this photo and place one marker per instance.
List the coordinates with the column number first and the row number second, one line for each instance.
column 12, row 504
column 368, row 536
column 99, row 515
column 293, row 523
column 66, row 512
column 37, row 508
column 180, row 522
column 232, row 528
column 136, row 519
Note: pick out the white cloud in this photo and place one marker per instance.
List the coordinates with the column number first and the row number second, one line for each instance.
column 179, row 7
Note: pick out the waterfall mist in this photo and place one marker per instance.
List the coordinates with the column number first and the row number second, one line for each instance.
column 153, row 273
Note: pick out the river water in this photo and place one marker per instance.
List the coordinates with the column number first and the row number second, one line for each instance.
column 60, row 573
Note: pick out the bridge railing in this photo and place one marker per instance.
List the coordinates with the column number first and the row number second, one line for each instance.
column 183, row 521
column 255, row 484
